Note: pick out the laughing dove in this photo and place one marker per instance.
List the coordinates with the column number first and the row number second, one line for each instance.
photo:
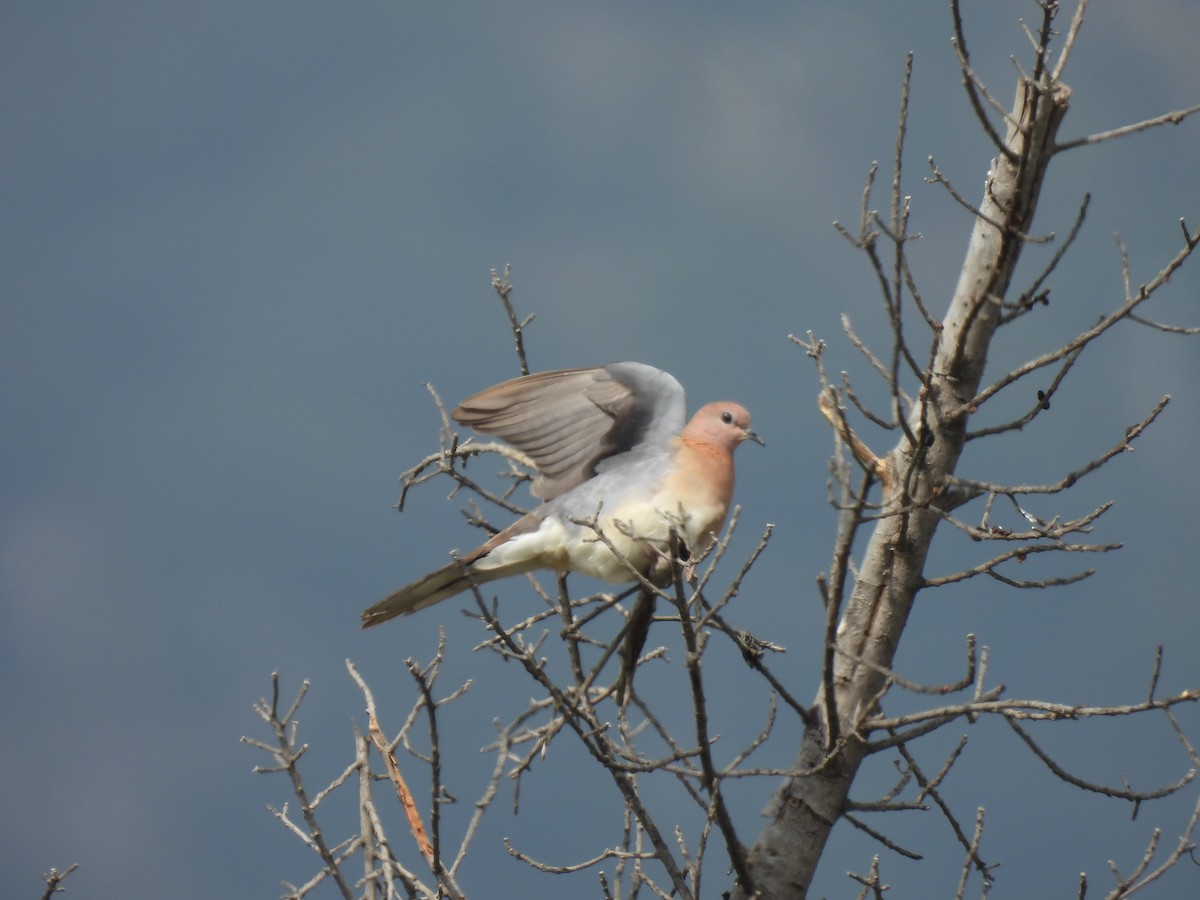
column 613, row 458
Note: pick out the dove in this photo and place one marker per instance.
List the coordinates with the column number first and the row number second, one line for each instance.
column 617, row 468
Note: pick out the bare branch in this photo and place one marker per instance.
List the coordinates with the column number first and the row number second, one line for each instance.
column 870, row 881
column 1132, row 433
column 502, row 285
column 1069, row 41
column 582, row 720
column 1132, row 301
column 712, row 783
column 862, row 348
column 972, row 856
column 442, row 463
column 1020, row 554
column 883, row 839
column 287, row 754
column 1035, row 294
column 1171, row 118
column 929, row 788
column 1119, row 793
column 1033, row 710
column 835, row 415
column 1169, row 329
column 939, row 178
column 575, row 867
column 54, row 880
column 433, row 852
column 971, row 82
column 1186, row 846
column 1042, row 404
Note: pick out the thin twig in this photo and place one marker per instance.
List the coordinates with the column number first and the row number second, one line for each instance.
column 54, row 880
column 502, row 285
column 1171, row 118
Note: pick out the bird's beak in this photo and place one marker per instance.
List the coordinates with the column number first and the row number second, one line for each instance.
column 751, row 436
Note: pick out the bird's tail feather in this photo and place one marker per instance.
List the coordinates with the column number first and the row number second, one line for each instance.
column 435, row 587
column 447, row 581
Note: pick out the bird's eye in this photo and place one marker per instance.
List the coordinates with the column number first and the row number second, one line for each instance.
column 727, row 417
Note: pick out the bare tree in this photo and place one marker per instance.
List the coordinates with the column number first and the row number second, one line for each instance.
column 580, row 654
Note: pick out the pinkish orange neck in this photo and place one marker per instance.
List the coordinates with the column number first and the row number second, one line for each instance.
column 714, row 466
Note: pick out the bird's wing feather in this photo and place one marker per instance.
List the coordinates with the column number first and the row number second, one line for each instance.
column 569, row 421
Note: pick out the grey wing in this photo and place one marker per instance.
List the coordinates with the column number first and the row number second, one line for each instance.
column 568, row 421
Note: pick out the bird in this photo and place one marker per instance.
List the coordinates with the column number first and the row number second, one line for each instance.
column 616, row 467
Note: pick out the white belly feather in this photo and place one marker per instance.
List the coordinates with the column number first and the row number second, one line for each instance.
column 638, row 530
column 635, row 522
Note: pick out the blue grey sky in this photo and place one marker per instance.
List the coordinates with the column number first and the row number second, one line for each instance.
column 238, row 238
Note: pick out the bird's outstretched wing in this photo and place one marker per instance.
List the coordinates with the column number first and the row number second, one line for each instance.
column 569, row 421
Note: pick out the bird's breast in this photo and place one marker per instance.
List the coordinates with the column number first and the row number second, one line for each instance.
column 691, row 495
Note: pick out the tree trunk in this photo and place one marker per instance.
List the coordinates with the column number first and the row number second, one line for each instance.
column 806, row 807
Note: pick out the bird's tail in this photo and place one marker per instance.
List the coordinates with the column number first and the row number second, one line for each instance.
column 433, row 588
column 471, row 570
